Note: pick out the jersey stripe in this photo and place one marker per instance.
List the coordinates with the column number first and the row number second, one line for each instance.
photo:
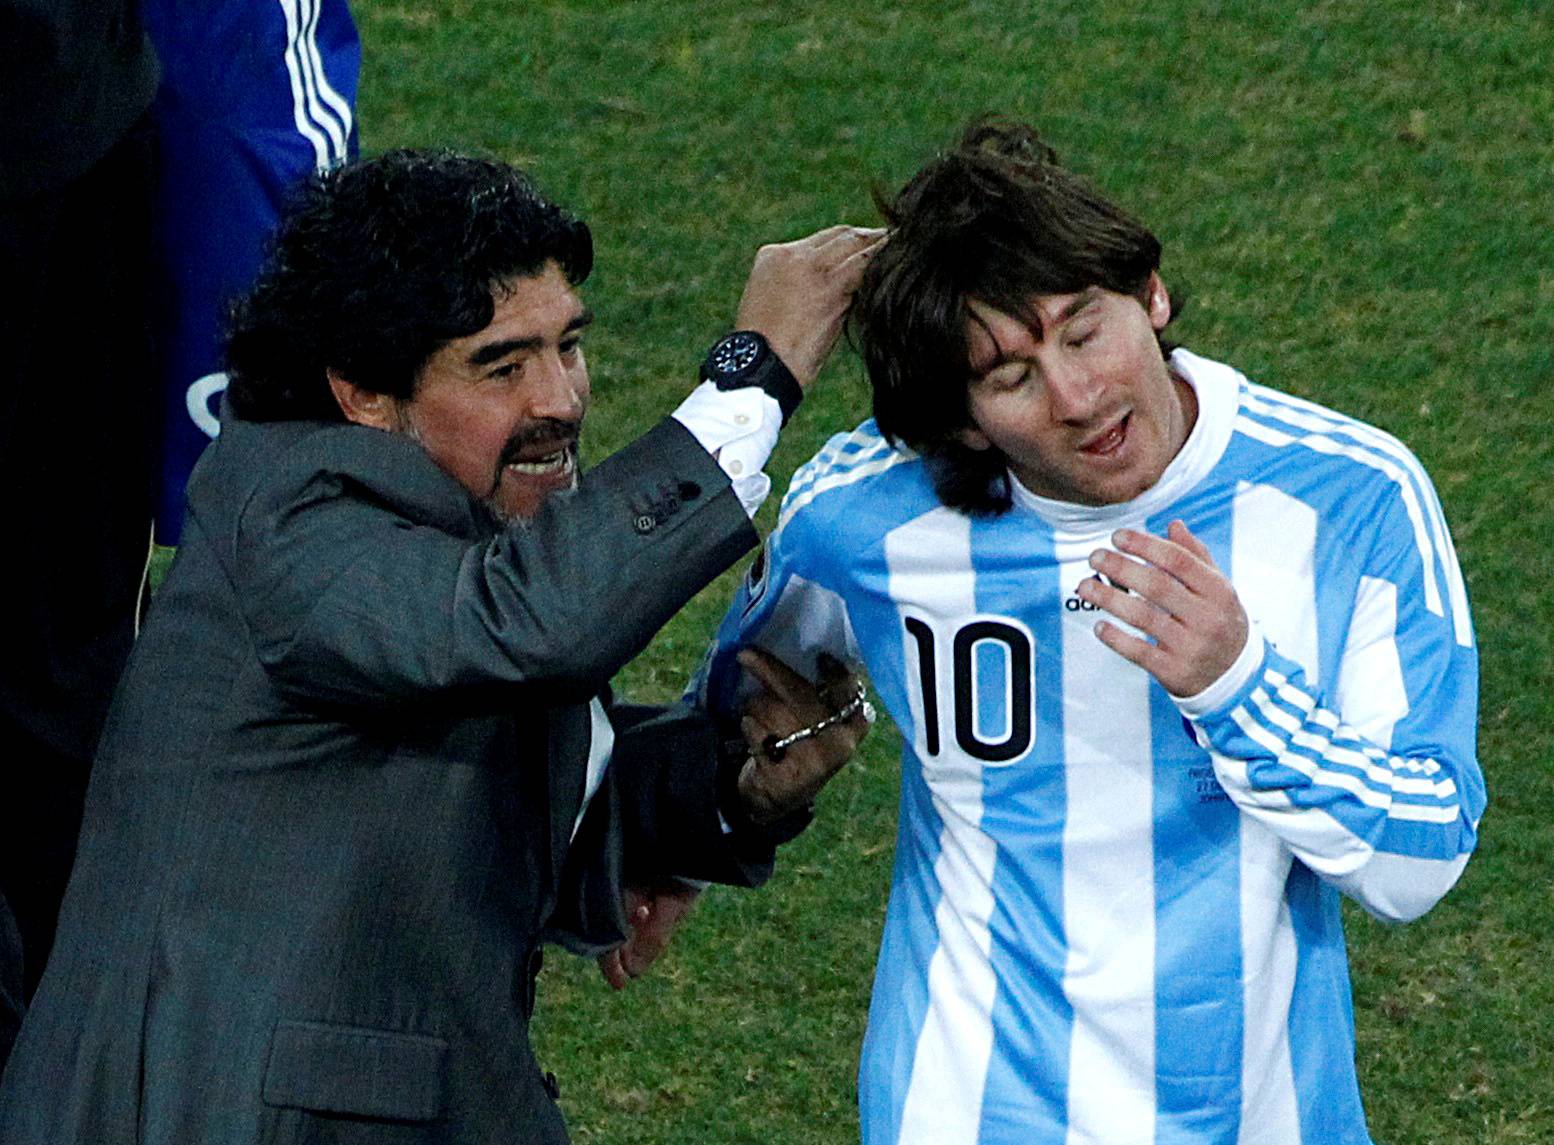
column 1319, row 444
column 949, row 1066
column 1272, row 561
column 1371, row 662
column 1200, row 1017
column 1393, row 458
column 1309, row 415
column 841, row 451
column 836, row 480
column 1108, row 891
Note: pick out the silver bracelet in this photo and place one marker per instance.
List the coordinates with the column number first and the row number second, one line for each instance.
column 774, row 749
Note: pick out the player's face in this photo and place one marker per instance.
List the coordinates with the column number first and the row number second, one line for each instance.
column 500, row 410
column 1077, row 394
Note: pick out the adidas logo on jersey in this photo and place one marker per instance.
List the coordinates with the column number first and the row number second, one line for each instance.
column 1075, row 604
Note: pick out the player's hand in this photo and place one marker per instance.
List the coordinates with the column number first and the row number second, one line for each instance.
column 652, row 916
column 1179, row 599
column 798, row 293
column 771, row 788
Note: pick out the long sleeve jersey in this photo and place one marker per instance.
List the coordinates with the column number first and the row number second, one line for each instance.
column 1114, row 913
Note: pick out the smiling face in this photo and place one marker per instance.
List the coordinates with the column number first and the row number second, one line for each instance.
column 1077, row 395
column 500, row 410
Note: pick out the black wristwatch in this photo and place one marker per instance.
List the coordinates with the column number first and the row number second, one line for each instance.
column 745, row 358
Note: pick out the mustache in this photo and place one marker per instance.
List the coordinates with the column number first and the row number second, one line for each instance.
column 552, row 431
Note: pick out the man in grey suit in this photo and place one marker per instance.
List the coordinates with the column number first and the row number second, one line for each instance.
column 364, row 759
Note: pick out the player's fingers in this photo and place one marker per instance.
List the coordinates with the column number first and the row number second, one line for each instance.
column 642, row 951
column 1197, row 571
column 1182, row 535
column 856, row 262
column 838, row 683
column 842, row 242
column 772, row 674
column 824, row 235
column 1159, row 588
column 755, row 730
column 1133, row 608
column 610, row 967
column 1126, row 645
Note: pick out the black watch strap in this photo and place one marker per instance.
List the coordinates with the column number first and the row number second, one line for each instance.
column 745, row 358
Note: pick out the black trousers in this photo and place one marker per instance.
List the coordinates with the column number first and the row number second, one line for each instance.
column 76, row 420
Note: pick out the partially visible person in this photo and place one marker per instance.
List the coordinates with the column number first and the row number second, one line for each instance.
column 10, row 981
column 1178, row 661
column 76, row 175
column 255, row 96
column 365, row 759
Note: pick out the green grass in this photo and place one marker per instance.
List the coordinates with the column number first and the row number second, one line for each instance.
column 1359, row 197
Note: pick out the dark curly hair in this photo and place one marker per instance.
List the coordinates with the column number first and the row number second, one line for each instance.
column 994, row 218
column 377, row 265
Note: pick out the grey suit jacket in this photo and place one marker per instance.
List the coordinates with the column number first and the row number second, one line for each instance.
column 331, row 817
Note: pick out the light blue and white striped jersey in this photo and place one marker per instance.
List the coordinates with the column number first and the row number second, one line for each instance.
column 1114, row 915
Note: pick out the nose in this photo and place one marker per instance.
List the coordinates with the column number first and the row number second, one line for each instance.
column 559, row 390
column 1073, row 392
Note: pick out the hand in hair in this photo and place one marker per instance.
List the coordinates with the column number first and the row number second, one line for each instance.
column 798, row 293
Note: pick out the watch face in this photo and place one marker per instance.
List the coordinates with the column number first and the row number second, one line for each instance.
column 735, row 353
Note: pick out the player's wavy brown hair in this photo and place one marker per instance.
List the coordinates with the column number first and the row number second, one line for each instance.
column 996, row 218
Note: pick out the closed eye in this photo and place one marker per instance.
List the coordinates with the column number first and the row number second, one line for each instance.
column 1010, row 376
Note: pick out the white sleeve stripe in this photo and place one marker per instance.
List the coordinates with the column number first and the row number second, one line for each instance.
column 305, row 70
column 1297, row 698
column 854, row 449
column 1371, row 798
column 1329, row 752
column 796, row 501
column 1319, row 444
column 1306, row 415
column 1326, row 719
column 337, row 103
column 308, row 17
column 299, row 94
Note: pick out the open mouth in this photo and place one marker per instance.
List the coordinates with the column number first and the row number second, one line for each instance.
column 555, row 463
column 1109, row 442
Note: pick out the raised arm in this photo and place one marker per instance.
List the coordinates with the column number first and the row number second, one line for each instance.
column 1373, row 783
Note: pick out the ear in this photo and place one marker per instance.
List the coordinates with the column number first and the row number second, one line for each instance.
column 363, row 406
column 1159, row 302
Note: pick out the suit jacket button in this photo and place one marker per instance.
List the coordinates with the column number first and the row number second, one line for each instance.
column 646, row 522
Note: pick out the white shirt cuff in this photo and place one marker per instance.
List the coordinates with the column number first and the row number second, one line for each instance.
column 739, row 428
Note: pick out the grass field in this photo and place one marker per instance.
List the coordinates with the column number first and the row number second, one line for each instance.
column 1357, row 196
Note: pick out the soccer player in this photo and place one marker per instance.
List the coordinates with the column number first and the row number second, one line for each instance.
column 1177, row 660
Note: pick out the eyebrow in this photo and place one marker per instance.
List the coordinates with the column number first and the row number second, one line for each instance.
column 1083, row 301
column 496, row 351
column 1080, row 302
